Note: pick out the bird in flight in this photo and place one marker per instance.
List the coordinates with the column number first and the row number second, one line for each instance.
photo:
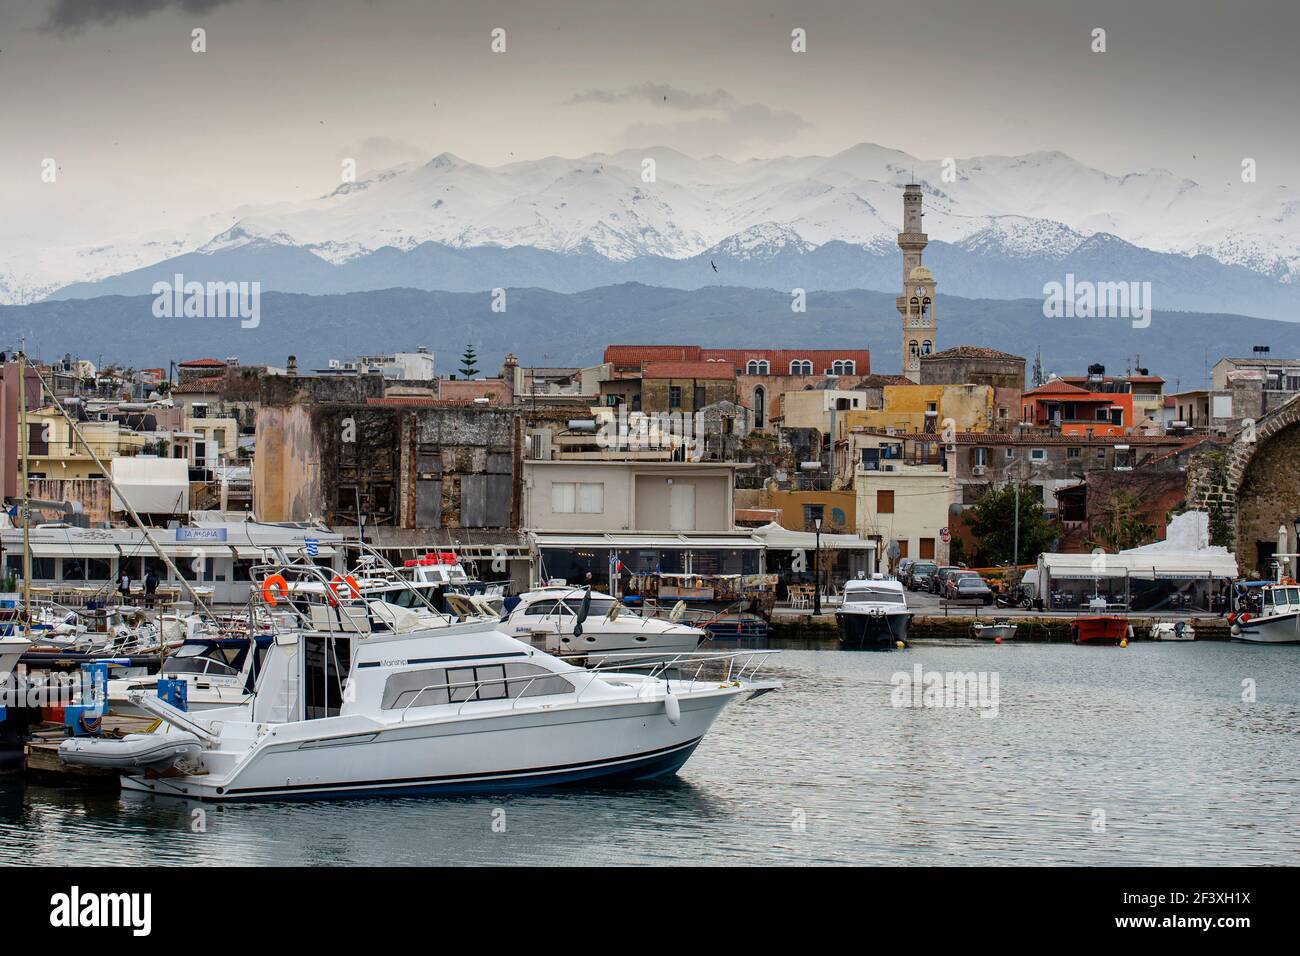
column 715, row 268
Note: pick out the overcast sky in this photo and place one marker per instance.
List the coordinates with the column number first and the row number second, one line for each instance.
column 148, row 134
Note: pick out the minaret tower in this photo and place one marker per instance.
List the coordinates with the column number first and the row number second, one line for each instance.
column 916, row 304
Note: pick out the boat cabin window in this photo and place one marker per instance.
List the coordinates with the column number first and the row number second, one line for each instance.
column 874, row 594
column 545, row 608
column 424, row 688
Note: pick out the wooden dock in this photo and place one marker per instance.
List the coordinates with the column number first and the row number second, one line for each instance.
column 41, row 753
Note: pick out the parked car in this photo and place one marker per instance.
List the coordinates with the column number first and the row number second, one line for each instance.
column 952, row 577
column 919, row 575
column 940, row 578
column 903, row 566
column 969, row 587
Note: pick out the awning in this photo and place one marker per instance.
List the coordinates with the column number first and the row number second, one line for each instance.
column 45, row 549
column 775, row 536
column 684, row 541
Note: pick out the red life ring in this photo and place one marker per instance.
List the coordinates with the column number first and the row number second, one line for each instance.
column 272, row 585
column 347, row 579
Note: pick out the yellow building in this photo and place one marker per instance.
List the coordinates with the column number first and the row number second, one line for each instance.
column 216, row 440
column 55, row 453
column 814, row 407
column 919, row 408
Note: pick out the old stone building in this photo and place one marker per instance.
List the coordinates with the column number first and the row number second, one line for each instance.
column 1251, row 487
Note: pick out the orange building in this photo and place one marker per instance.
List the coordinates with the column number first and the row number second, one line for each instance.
column 1077, row 411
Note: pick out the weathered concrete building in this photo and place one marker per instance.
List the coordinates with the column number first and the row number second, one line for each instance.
column 390, row 462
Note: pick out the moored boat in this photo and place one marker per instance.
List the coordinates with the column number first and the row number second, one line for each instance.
column 874, row 613
column 1277, row 620
column 1107, row 629
column 354, row 702
column 997, row 631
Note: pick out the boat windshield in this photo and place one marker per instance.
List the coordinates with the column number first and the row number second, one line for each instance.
column 1282, row 596
column 874, row 595
column 204, row 659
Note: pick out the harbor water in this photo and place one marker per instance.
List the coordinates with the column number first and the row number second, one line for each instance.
column 1155, row 754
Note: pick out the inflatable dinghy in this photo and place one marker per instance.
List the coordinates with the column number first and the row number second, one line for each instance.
column 132, row 753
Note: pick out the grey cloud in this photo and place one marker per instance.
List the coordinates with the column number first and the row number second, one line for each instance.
column 73, row 16
column 660, row 94
column 724, row 123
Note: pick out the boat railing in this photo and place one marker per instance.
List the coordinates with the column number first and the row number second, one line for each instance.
column 739, row 665
column 735, row 670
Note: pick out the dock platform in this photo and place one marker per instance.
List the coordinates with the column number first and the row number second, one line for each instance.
column 42, row 753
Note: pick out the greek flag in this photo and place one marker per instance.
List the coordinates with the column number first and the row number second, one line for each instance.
column 313, row 547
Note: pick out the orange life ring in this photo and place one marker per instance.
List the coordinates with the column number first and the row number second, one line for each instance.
column 347, row 579
column 271, row 585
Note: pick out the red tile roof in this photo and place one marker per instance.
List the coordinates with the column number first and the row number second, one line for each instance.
column 203, row 363
column 425, row 401
column 778, row 359
column 199, row 386
column 1061, row 387
column 719, row 370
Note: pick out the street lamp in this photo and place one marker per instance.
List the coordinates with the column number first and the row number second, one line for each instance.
column 817, row 565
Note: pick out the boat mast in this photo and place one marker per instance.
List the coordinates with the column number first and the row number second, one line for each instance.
column 130, row 509
column 23, row 442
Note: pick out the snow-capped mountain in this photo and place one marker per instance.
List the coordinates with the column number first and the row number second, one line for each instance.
column 633, row 204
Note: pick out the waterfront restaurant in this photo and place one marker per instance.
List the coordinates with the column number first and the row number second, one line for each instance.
column 215, row 556
column 1138, row 580
column 571, row 557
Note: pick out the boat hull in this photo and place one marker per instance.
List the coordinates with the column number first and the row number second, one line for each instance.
column 495, row 752
column 1276, row 629
column 1102, row 629
column 863, row 629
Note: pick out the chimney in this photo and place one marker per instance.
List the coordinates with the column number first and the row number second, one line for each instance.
column 291, row 367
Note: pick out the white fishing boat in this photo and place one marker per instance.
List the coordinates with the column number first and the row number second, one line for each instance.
column 1173, row 631
column 997, row 631
column 549, row 618
column 873, row 613
column 346, row 706
column 1277, row 620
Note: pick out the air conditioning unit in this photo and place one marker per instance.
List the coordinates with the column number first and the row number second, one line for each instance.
column 978, row 470
column 539, row 446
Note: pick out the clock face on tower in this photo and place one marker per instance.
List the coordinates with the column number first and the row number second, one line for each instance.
column 920, row 291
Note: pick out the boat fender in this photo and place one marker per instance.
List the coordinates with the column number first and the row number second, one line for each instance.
column 1123, row 642
column 673, row 709
column 997, row 640
column 274, row 584
column 900, row 645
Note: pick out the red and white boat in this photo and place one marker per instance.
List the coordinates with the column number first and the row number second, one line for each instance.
column 1100, row 629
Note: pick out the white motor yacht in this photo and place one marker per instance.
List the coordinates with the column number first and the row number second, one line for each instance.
column 873, row 613
column 548, row 618
column 347, row 704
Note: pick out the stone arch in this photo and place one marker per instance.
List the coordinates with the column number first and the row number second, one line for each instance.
column 1251, row 485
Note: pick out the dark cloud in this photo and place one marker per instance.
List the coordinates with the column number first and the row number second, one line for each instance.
column 73, row 16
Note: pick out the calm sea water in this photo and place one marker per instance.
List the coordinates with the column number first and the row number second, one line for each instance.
column 1156, row 737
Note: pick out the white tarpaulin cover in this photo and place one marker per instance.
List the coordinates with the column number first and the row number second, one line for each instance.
column 781, row 539
column 1184, row 552
column 152, row 485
